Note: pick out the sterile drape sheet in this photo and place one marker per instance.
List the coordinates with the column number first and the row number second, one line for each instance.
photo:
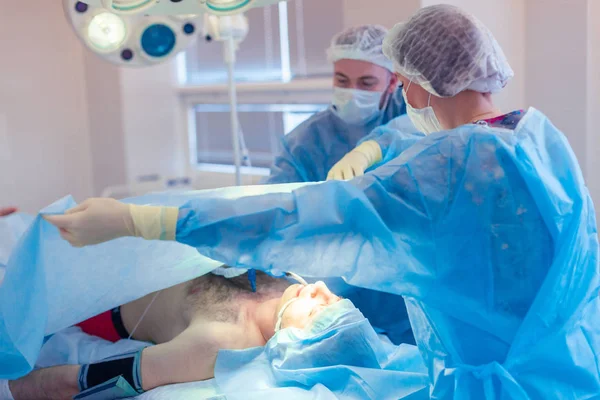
column 50, row 285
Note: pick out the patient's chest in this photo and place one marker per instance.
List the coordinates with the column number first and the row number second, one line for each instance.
column 210, row 301
column 163, row 319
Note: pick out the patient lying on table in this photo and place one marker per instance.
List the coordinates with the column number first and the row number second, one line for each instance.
column 189, row 323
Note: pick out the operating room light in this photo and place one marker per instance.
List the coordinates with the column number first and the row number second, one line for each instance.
column 127, row 6
column 133, row 39
column 171, row 8
column 107, row 31
column 158, row 40
column 184, row 17
column 227, row 5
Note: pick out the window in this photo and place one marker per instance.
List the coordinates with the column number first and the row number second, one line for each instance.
column 286, row 43
column 257, row 59
column 262, row 127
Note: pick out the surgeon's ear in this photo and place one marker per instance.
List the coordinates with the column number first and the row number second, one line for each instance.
column 393, row 83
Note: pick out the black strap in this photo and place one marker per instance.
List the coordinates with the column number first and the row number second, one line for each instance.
column 117, row 321
column 127, row 366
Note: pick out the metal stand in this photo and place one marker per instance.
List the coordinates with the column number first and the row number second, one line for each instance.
column 235, row 127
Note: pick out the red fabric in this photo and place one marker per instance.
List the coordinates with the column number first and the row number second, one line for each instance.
column 102, row 326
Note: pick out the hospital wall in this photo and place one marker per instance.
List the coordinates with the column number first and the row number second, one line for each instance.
column 105, row 109
column 44, row 113
column 563, row 74
column 593, row 100
column 152, row 139
column 386, row 12
column 557, row 66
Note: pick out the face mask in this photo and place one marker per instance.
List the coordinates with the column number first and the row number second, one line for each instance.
column 356, row 106
column 423, row 119
column 335, row 314
column 281, row 312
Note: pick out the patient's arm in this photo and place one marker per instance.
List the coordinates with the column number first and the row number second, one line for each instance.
column 54, row 383
column 192, row 355
column 189, row 357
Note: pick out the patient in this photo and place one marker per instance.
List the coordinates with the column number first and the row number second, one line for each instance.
column 189, row 323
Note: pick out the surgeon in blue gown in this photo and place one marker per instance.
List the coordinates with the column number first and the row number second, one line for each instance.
column 485, row 226
column 365, row 96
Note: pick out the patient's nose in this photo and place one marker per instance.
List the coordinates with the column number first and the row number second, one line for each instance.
column 324, row 291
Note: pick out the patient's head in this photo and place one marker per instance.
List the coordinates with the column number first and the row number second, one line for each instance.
column 300, row 304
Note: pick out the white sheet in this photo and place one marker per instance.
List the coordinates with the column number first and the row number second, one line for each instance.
column 72, row 346
column 205, row 390
column 5, row 393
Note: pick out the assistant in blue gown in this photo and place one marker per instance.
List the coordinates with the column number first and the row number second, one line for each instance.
column 316, row 145
column 489, row 234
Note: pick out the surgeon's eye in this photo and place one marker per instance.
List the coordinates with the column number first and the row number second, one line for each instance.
column 341, row 82
column 370, row 81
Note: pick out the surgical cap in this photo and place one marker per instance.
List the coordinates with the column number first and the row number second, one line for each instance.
column 447, row 51
column 362, row 43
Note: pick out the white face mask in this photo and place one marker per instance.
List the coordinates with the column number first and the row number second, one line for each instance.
column 281, row 312
column 424, row 119
column 356, row 106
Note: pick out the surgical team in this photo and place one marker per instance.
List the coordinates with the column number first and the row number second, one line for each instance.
column 473, row 224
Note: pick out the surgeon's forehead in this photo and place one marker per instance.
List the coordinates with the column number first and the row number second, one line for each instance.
column 358, row 68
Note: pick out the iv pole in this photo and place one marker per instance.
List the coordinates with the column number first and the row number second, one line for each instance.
column 231, row 30
column 235, row 128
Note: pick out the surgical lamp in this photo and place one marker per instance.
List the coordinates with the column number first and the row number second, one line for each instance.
column 131, row 39
column 145, row 32
column 178, row 7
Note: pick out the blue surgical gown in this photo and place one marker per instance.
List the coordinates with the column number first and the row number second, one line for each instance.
column 393, row 138
column 307, row 155
column 490, row 235
column 316, row 145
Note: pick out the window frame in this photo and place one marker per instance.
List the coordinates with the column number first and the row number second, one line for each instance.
column 297, row 91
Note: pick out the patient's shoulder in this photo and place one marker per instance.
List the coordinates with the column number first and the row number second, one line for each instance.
column 217, row 335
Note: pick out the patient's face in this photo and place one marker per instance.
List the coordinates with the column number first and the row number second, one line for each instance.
column 311, row 299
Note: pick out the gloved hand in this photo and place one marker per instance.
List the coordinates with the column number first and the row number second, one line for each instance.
column 94, row 221
column 356, row 162
column 100, row 220
column 7, row 211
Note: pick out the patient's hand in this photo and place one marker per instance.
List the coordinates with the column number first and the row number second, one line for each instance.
column 7, row 211
column 54, row 383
